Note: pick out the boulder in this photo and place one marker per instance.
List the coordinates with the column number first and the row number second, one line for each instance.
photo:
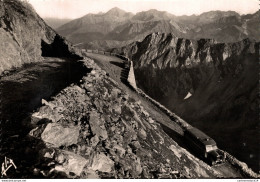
column 94, row 141
column 78, row 89
column 99, row 105
column 50, row 104
column 71, row 163
column 93, row 72
column 117, row 109
column 46, row 112
column 142, row 134
column 36, row 132
column 145, row 113
column 132, row 164
column 91, row 174
column 150, row 120
column 48, row 153
column 138, row 167
column 56, row 135
column 135, row 145
column 120, row 150
column 101, row 162
column 97, row 125
column 60, row 158
column 115, row 93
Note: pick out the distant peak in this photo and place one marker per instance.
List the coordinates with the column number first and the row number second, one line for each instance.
column 153, row 10
column 218, row 12
column 115, row 10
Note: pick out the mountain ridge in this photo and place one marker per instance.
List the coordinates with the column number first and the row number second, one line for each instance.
column 220, row 77
column 223, row 26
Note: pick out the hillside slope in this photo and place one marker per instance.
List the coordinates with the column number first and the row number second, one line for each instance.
column 220, row 80
column 104, row 132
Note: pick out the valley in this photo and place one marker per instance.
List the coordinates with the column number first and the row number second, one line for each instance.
column 220, row 78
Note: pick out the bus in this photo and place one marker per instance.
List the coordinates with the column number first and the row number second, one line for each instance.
column 204, row 146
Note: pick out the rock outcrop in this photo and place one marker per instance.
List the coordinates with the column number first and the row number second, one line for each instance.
column 69, row 162
column 53, row 137
column 168, row 51
column 222, row 79
column 22, row 33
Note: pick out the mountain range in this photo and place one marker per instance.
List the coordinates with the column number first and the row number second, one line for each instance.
column 95, row 127
column 117, row 28
column 213, row 86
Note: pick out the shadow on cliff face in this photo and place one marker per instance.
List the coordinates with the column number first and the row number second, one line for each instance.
column 58, row 48
column 21, row 93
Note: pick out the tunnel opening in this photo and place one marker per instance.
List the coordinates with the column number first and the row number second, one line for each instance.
column 58, row 48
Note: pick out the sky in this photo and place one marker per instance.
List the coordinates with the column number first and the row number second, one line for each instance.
column 77, row 8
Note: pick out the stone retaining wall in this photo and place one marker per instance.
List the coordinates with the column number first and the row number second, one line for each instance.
column 131, row 76
column 240, row 165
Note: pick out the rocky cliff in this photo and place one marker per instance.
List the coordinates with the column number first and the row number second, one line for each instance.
column 22, row 33
column 214, row 86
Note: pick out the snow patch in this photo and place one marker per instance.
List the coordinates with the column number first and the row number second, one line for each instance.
column 188, row 96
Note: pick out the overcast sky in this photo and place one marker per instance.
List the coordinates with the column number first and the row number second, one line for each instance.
column 76, row 8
